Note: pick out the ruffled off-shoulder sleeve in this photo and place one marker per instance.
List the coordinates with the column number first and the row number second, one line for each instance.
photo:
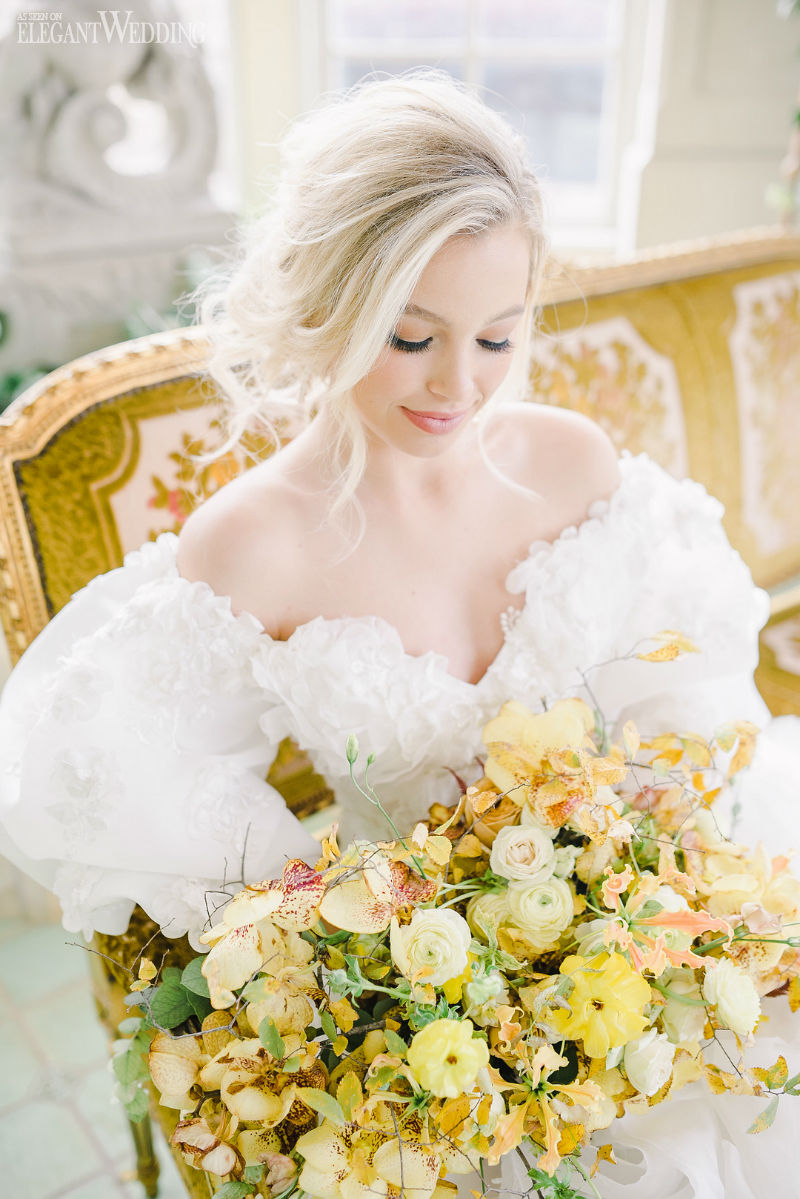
column 656, row 557
column 676, row 570
column 133, row 752
column 664, row 562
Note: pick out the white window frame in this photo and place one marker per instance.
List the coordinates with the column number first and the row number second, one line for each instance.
column 580, row 216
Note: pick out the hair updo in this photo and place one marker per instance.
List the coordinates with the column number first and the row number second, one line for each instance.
column 372, row 185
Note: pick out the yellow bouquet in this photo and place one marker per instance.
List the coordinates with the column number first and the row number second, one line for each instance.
column 563, row 946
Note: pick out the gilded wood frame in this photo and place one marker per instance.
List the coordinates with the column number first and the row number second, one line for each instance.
column 37, row 416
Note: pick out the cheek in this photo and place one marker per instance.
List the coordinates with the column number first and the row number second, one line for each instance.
column 494, row 371
column 396, row 375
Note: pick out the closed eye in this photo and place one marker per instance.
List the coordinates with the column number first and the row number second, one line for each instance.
column 417, row 347
column 409, row 347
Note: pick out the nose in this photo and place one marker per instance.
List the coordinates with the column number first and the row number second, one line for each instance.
column 452, row 378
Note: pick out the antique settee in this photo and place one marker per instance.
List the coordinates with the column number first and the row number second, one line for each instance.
column 691, row 354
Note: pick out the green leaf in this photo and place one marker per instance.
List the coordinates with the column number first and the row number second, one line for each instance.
column 234, row 1190
column 776, row 1076
column 138, row 1106
column 395, row 1043
column 253, row 1173
column 766, row 1118
column 328, row 1025
column 130, row 1025
column 171, row 1004
column 170, row 975
column 383, row 1076
column 193, row 980
column 322, row 1102
column 200, row 1006
column 129, row 1067
column 349, row 1094
column 291, row 1065
column 651, row 907
column 270, row 1038
column 137, row 998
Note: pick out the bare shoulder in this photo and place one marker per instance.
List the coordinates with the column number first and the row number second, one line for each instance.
column 561, row 454
column 236, row 538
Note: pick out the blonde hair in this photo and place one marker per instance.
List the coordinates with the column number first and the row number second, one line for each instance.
column 372, row 184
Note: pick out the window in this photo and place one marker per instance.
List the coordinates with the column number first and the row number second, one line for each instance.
column 552, row 68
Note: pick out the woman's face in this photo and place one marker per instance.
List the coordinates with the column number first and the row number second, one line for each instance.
column 451, row 349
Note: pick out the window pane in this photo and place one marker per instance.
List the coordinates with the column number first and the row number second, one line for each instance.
column 526, row 20
column 364, row 20
column 347, row 71
column 558, row 108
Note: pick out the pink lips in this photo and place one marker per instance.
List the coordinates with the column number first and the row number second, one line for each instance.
column 435, row 422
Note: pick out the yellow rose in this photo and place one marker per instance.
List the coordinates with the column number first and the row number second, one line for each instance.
column 445, row 1057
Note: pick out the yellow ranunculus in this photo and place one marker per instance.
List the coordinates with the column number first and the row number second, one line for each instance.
column 446, row 1058
column 606, row 1004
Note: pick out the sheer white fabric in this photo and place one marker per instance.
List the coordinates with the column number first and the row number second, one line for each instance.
column 136, row 732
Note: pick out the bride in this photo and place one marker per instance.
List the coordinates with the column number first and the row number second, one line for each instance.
column 424, row 549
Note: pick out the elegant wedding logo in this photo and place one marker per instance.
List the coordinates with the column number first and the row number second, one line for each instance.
column 112, row 25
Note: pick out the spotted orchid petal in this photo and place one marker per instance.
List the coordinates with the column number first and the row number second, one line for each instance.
column 231, row 962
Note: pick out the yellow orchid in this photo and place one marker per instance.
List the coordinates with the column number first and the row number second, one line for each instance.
column 280, row 1001
column 606, row 1004
column 354, row 1163
column 175, row 1064
column 252, row 1084
column 241, row 952
column 204, row 1150
column 527, row 751
column 292, row 901
column 370, row 889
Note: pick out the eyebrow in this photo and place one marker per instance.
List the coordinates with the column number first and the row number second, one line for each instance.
column 415, row 310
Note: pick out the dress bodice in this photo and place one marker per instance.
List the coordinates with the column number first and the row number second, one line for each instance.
column 137, row 730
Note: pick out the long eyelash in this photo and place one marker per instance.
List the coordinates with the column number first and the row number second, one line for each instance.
column 408, row 347
column 418, row 347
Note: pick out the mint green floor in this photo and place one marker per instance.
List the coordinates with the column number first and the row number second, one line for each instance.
column 62, row 1134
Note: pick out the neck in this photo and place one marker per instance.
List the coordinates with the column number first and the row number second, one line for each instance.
column 394, row 477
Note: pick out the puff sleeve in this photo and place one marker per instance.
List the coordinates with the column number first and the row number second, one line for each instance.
column 133, row 753
column 683, row 574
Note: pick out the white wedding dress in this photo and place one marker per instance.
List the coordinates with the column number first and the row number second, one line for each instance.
column 136, row 732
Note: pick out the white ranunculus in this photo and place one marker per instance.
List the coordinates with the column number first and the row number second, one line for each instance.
column 541, row 910
column 433, row 947
column 734, row 995
column 648, row 1061
column 485, row 913
column 522, row 854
